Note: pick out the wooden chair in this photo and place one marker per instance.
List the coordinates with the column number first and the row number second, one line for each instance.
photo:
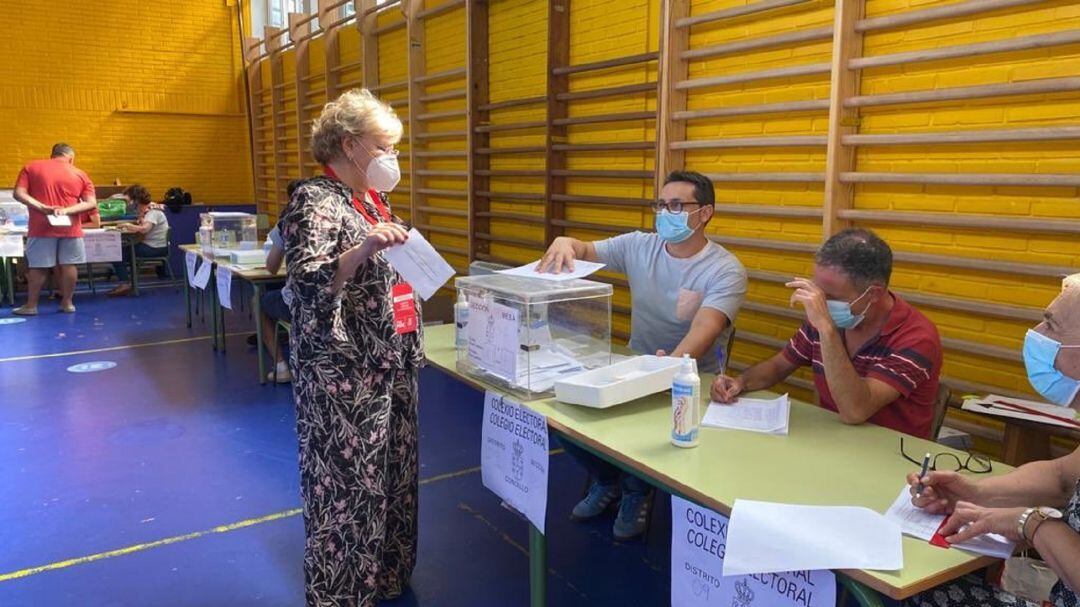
column 941, row 406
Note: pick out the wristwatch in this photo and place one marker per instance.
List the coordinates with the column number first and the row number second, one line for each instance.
column 1043, row 513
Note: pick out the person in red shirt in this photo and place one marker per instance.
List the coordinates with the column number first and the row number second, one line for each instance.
column 875, row 358
column 57, row 194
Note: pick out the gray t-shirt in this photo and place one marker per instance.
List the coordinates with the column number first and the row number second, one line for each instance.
column 666, row 292
column 158, row 236
column 279, row 242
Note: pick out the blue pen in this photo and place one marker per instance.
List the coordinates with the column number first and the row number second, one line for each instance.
column 925, row 467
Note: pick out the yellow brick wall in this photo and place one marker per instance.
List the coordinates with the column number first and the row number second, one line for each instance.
column 145, row 92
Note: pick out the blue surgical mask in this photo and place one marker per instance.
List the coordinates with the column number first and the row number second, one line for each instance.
column 674, row 227
column 1040, row 352
column 841, row 313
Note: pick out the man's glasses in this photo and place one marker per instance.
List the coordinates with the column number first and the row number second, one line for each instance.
column 978, row 464
column 674, row 206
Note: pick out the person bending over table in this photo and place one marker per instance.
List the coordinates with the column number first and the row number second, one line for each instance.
column 153, row 229
column 1038, row 504
column 685, row 292
column 875, row 358
column 355, row 360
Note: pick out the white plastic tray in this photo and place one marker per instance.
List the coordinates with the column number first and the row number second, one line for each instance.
column 618, row 383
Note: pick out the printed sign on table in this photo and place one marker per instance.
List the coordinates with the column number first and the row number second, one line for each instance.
column 224, row 286
column 202, row 277
column 514, row 456
column 493, row 337
column 102, row 246
column 190, row 260
column 698, row 545
column 11, row 245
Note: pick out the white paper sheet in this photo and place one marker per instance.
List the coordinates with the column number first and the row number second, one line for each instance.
column 224, row 286
column 59, row 221
column 922, row 525
column 698, row 543
column 190, row 260
column 514, row 456
column 765, row 537
column 493, row 338
column 202, row 277
column 11, row 245
column 581, row 270
column 768, row 416
column 420, row 264
column 986, row 405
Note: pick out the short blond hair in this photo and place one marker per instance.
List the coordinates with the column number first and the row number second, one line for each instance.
column 356, row 112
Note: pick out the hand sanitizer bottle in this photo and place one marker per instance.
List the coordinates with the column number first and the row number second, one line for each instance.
column 685, row 405
column 461, row 321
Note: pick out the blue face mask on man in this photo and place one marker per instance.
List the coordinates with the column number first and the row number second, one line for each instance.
column 674, row 227
column 841, row 313
column 1040, row 352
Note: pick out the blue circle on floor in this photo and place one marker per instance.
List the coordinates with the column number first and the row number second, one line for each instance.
column 11, row 321
column 91, row 367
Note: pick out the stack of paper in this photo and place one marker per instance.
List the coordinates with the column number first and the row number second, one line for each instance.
column 920, row 524
column 768, row 416
column 765, row 537
column 539, row 370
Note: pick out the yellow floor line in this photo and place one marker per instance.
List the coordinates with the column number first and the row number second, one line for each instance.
column 14, row 575
column 114, row 348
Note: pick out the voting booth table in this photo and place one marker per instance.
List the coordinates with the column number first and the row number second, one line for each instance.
column 821, row 462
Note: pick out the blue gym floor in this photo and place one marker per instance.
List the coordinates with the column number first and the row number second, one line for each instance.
column 171, row 479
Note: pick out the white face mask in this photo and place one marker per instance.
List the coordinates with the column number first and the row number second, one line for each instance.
column 383, row 172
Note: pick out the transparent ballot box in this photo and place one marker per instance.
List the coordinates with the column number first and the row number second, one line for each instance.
column 524, row 334
column 223, row 232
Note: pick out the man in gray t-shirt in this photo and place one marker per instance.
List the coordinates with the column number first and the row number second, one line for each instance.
column 685, row 290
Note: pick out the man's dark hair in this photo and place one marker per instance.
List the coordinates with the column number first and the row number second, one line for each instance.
column 703, row 187
column 859, row 253
column 62, row 149
column 138, row 194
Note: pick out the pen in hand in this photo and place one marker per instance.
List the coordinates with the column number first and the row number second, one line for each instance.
column 925, row 466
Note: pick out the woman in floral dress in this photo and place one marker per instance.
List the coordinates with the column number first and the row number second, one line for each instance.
column 355, row 360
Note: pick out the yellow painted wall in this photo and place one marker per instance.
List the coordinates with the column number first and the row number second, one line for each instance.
column 603, row 29
column 147, row 92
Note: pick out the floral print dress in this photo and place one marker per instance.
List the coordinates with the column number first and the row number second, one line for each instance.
column 972, row 592
column 355, row 386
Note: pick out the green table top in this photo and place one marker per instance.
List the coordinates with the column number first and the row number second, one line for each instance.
column 820, row 462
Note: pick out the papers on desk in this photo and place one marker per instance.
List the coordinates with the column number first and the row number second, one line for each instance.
column 420, row 264
column 1017, row 408
column 581, row 270
column 59, row 221
column 922, row 525
column 768, row 416
column 765, row 537
column 540, row 369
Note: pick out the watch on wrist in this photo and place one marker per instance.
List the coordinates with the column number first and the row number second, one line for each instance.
column 1042, row 514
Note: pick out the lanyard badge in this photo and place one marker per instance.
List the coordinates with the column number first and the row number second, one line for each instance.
column 405, row 318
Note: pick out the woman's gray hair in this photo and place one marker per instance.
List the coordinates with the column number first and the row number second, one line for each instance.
column 356, row 112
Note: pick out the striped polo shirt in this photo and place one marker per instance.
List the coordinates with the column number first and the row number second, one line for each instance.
column 906, row 355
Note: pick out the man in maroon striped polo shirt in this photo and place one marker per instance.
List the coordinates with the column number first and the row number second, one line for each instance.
column 875, row 358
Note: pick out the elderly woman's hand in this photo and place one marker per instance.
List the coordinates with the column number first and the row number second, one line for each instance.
column 383, row 236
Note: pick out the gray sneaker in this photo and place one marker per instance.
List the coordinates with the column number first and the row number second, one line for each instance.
column 633, row 514
column 598, row 500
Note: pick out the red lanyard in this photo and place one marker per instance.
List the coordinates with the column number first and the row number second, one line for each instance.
column 359, row 206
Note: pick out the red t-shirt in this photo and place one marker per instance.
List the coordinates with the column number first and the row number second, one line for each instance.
column 906, row 355
column 56, row 183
